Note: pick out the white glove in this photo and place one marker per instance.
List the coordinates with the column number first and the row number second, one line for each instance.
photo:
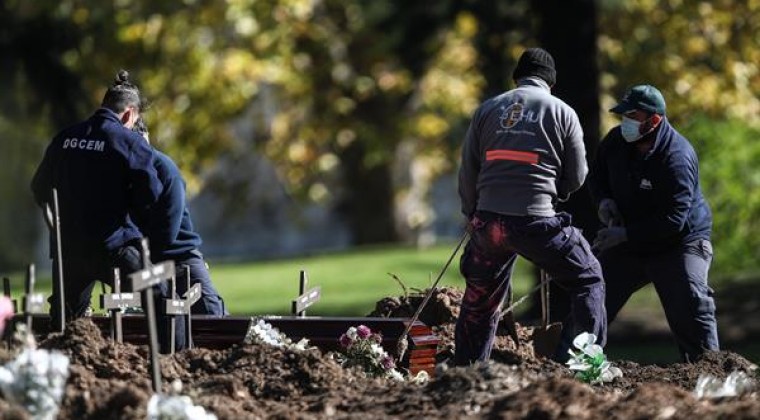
column 609, row 213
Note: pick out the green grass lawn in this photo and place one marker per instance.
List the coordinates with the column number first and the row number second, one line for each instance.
column 351, row 281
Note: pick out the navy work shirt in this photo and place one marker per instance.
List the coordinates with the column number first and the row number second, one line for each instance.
column 658, row 194
column 101, row 169
column 167, row 223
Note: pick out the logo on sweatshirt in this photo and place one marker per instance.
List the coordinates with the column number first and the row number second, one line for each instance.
column 645, row 184
column 515, row 113
column 511, row 116
column 84, row 144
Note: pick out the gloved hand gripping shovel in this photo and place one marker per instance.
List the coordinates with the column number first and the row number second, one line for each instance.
column 546, row 336
column 403, row 344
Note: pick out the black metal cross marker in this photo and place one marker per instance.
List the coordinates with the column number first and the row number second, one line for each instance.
column 116, row 302
column 193, row 298
column 305, row 298
column 145, row 279
column 183, row 307
column 32, row 303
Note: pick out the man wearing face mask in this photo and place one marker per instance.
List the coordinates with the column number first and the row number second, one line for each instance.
column 656, row 221
column 100, row 169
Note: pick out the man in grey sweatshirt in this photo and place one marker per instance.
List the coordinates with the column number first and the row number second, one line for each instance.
column 523, row 153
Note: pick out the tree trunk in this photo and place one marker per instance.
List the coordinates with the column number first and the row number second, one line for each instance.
column 569, row 32
column 367, row 202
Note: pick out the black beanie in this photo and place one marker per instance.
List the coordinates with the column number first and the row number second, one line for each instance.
column 536, row 62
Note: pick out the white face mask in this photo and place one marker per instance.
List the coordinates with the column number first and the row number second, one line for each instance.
column 629, row 128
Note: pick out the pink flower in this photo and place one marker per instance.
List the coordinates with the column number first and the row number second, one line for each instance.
column 388, row 363
column 6, row 311
column 345, row 341
column 363, row 331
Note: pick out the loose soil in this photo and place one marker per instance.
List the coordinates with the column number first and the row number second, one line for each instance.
column 111, row 381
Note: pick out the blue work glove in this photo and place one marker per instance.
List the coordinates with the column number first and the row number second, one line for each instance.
column 609, row 213
column 609, row 237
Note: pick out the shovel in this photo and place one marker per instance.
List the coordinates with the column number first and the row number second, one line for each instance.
column 507, row 320
column 546, row 337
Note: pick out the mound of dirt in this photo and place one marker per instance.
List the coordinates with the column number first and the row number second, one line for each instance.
column 111, row 381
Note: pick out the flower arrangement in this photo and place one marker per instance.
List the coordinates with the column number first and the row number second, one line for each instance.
column 360, row 347
column 263, row 332
column 590, row 363
column 36, row 378
column 174, row 406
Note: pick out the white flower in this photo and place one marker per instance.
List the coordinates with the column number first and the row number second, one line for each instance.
column 395, row 375
column 421, row 378
column 174, row 407
column 590, row 364
column 377, row 350
column 609, row 374
column 264, row 333
column 36, row 379
column 578, row 364
column 593, row 350
column 352, row 333
column 301, row 345
column 583, row 340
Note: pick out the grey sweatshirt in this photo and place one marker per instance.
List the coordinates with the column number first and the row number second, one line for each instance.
column 523, row 152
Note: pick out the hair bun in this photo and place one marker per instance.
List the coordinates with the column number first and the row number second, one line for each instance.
column 122, row 78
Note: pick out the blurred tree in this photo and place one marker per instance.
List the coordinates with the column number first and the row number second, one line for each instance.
column 37, row 91
column 569, row 32
column 702, row 55
column 731, row 181
column 368, row 76
column 351, row 80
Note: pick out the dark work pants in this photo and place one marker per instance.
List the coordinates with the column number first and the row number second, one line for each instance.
column 487, row 263
column 680, row 279
column 210, row 302
column 81, row 273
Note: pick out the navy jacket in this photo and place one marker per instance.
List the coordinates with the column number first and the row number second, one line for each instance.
column 101, row 170
column 167, row 223
column 658, row 194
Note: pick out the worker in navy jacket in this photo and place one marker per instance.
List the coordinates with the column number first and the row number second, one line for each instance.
column 656, row 221
column 101, row 169
column 172, row 237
